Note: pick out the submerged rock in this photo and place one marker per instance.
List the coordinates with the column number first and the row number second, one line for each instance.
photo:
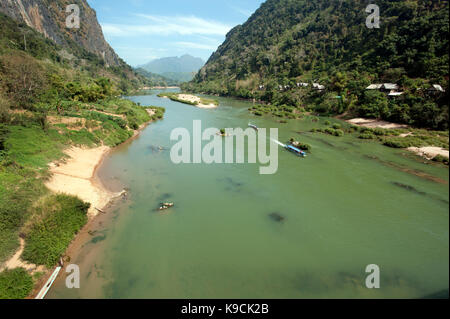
column 277, row 217
column 409, row 188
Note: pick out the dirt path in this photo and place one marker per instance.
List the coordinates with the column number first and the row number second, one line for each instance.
column 16, row 262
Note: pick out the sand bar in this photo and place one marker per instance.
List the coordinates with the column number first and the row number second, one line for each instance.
column 429, row 152
column 195, row 99
column 373, row 123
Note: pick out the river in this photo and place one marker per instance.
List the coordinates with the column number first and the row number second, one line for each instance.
column 308, row 231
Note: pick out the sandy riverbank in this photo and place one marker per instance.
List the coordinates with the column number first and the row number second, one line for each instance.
column 76, row 176
column 16, row 262
column 429, row 152
column 372, row 123
column 195, row 99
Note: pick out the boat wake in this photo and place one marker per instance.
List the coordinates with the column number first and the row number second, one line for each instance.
column 279, row 143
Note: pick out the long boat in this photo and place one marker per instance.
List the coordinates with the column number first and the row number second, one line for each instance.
column 253, row 126
column 295, row 150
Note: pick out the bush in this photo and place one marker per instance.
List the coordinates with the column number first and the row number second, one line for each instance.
column 3, row 135
column 337, row 126
column 60, row 218
column 23, row 78
column 396, row 144
column 4, row 109
column 329, row 131
column 441, row 159
column 379, row 131
column 15, row 284
column 303, row 146
column 366, row 136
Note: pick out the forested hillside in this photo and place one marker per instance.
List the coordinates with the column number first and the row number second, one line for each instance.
column 178, row 69
column 156, row 79
column 52, row 97
column 326, row 41
column 49, row 17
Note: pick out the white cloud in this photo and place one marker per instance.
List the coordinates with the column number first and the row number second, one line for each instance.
column 164, row 25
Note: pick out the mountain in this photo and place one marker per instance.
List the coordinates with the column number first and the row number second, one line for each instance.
column 156, row 79
column 327, row 41
column 180, row 69
column 49, row 18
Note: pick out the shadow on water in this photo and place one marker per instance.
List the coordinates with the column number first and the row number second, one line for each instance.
column 277, row 217
column 164, row 197
column 231, row 184
column 409, row 188
column 321, row 140
column 98, row 239
column 156, row 149
column 416, row 191
column 352, row 144
column 411, row 171
column 344, row 282
column 443, row 294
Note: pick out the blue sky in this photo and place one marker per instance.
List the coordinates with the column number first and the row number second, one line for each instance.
column 143, row 30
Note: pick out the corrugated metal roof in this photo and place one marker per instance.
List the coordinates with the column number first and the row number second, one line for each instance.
column 438, row 88
column 390, row 86
column 374, row 87
column 395, row 93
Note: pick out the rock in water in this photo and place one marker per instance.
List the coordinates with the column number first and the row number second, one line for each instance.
column 276, row 217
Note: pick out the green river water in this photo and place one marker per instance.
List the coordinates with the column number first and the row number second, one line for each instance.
column 349, row 204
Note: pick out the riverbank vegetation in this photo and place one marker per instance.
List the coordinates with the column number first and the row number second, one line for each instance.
column 394, row 138
column 52, row 99
column 15, row 284
column 278, row 63
column 54, row 223
column 176, row 97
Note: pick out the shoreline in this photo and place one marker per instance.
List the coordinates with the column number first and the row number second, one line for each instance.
column 94, row 182
column 373, row 123
column 429, row 152
column 196, row 101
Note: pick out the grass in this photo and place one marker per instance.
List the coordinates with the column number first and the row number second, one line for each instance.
column 55, row 222
column 15, row 284
column 412, row 137
column 19, row 188
column 49, row 222
column 329, row 131
column 174, row 97
column 206, row 101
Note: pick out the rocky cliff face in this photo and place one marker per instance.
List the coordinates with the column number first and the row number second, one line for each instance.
column 49, row 18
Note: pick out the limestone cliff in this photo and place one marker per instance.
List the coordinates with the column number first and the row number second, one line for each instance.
column 49, row 18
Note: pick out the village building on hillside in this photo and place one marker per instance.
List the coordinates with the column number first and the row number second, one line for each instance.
column 389, row 88
column 436, row 88
column 395, row 93
column 318, row 86
column 374, row 87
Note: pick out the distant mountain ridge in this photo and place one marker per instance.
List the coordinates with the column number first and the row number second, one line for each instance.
column 49, row 18
column 180, row 69
column 156, row 79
